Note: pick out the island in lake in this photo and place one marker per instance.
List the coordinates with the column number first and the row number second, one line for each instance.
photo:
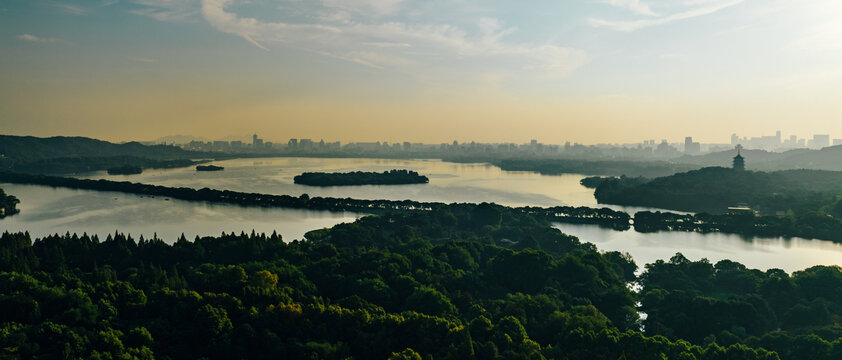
column 8, row 204
column 209, row 168
column 125, row 170
column 391, row 177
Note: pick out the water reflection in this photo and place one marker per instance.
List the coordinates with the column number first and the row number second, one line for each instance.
column 789, row 254
column 449, row 182
column 46, row 211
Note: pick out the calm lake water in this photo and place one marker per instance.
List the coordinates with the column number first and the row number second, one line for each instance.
column 753, row 252
column 449, row 182
column 45, row 210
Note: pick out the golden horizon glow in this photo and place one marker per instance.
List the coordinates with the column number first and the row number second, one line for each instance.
column 588, row 72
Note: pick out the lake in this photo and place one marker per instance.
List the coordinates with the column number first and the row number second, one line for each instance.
column 46, row 210
column 449, row 182
column 754, row 252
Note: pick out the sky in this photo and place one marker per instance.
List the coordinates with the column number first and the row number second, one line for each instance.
column 588, row 71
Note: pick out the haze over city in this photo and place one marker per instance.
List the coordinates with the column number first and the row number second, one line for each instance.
column 588, row 71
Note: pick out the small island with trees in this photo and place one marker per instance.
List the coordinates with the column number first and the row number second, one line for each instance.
column 209, row 168
column 125, row 170
column 391, row 177
column 8, row 204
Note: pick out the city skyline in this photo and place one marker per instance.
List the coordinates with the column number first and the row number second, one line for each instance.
column 775, row 142
column 246, row 138
column 595, row 71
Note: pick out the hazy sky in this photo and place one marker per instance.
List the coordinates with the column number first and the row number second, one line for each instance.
column 581, row 70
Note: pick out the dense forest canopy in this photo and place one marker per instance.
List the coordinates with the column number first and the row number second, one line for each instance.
column 391, row 177
column 460, row 281
column 798, row 315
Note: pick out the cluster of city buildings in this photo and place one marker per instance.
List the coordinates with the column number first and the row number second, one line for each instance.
column 257, row 145
column 775, row 143
column 645, row 149
column 778, row 143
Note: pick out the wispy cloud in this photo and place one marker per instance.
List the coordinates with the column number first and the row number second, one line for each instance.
column 33, row 38
column 636, row 6
column 70, row 8
column 823, row 33
column 366, row 7
column 167, row 10
column 146, row 60
column 394, row 43
column 703, row 7
column 818, row 38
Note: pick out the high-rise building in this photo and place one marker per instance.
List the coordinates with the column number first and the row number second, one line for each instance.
column 690, row 147
column 819, row 141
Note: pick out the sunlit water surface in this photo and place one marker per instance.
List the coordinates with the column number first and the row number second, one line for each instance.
column 789, row 254
column 46, row 210
column 449, row 182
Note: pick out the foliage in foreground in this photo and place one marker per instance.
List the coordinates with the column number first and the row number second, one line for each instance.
column 465, row 281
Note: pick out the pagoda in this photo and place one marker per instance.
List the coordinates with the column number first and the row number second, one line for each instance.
column 739, row 160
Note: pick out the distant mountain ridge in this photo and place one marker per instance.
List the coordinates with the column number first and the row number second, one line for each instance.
column 61, row 154
column 828, row 158
column 27, row 148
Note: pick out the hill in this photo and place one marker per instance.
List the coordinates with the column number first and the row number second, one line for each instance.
column 714, row 189
column 829, row 158
column 29, row 148
column 77, row 154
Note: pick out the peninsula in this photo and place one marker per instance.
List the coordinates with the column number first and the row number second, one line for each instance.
column 125, row 170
